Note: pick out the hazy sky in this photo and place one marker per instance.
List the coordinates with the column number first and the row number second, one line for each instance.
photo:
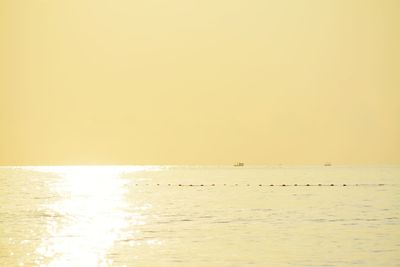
column 199, row 82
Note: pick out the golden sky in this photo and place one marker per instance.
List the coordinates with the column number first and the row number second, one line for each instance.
column 199, row 82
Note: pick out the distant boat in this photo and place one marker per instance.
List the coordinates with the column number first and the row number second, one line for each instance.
column 238, row 164
column 328, row 164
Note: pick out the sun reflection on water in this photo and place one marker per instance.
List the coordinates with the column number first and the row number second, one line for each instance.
column 88, row 219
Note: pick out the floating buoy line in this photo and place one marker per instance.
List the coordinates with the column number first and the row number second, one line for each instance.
column 255, row 185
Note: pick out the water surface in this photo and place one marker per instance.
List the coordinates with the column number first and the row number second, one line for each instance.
column 199, row 216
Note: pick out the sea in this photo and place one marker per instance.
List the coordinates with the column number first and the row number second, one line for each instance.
column 84, row 216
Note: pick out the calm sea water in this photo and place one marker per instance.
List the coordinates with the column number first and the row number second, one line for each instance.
column 199, row 216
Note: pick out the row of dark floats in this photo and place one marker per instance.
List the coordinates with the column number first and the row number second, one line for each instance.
column 255, row 185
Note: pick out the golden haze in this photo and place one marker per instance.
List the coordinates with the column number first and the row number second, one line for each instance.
column 199, row 82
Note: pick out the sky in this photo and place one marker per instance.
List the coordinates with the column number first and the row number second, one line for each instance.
column 199, row 82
